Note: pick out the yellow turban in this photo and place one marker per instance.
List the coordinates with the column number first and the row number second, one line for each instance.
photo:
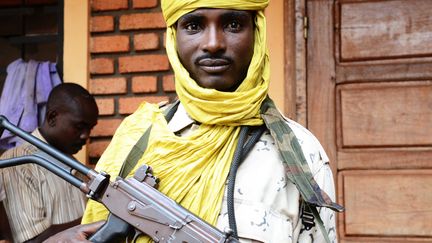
column 174, row 9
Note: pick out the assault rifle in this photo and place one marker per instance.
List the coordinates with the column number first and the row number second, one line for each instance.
column 135, row 205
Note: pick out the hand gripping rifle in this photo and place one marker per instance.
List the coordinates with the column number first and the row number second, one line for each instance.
column 135, row 205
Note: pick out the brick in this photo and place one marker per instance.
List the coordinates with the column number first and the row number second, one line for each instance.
column 144, row 84
column 108, row 86
column 142, row 21
column 143, row 63
column 129, row 104
column 149, row 41
column 104, row 5
column 101, row 66
column 105, row 127
column 102, row 23
column 107, row 44
column 106, row 106
column 96, row 148
column 168, row 83
column 144, row 3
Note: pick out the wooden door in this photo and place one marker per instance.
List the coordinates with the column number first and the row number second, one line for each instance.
column 369, row 102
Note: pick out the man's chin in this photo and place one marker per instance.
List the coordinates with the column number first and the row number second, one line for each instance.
column 75, row 150
column 217, row 84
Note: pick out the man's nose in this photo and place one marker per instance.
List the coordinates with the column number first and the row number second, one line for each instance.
column 214, row 40
column 85, row 134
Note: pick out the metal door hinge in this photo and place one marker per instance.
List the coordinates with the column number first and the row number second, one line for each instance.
column 305, row 27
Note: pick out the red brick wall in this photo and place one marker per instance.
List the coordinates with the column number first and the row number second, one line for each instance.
column 128, row 63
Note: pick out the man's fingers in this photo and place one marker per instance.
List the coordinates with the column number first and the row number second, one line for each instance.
column 92, row 228
column 76, row 234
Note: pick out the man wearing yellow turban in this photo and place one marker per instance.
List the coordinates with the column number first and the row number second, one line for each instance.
column 224, row 151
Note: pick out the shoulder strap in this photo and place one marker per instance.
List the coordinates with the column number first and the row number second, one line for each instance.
column 319, row 222
column 170, row 110
column 310, row 217
column 294, row 162
column 135, row 154
column 141, row 145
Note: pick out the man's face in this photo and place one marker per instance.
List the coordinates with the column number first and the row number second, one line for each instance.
column 216, row 46
column 72, row 127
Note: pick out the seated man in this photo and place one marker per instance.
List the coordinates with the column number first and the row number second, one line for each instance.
column 37, row 202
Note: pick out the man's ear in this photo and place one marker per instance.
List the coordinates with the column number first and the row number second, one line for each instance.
column 51, row 117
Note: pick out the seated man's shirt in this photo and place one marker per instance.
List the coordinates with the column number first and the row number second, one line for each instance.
column 35, row 198
column 2, row 191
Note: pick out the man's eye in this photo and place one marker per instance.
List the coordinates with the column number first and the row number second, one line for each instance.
column 236, row 26
column 192, row 27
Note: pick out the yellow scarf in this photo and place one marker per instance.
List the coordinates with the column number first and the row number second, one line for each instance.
column 193, row 169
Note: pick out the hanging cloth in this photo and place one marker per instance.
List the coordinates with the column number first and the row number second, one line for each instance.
column 24, row 96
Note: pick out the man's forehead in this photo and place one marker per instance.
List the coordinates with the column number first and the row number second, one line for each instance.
column 218, row 11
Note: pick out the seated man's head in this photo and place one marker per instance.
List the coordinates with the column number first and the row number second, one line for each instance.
column 71, row 113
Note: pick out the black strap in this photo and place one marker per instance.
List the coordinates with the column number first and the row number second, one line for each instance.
column 240, row 153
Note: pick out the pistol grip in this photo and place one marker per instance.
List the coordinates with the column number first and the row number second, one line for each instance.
column 114, row 230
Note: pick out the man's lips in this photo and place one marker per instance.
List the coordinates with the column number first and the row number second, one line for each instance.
column 214, row 65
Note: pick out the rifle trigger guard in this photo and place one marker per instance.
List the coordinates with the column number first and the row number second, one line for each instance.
column 135, row 237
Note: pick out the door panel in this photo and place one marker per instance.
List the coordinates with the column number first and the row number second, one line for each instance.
column 387, row 114
column 369, row 102
column 366, row 190
column 385, row 29
column 384, row 158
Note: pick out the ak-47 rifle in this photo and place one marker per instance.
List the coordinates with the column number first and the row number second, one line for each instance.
column 134, row 204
